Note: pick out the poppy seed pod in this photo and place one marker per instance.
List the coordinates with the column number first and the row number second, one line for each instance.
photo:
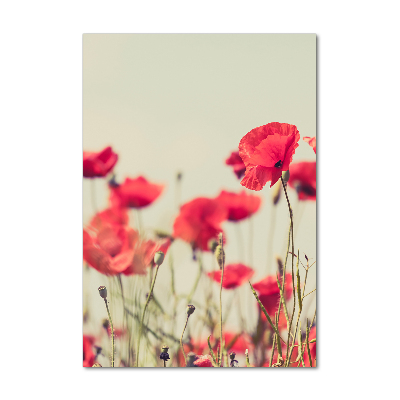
column 165, row 349
column 220, row 255
column 159, row 258
column 232, row 355
column 190, row 309
column 103, row 292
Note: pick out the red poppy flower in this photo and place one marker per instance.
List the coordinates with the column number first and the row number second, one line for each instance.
column 303, row 178
column 88, row 354
column 268, row 293
column 267, row 151
column 108, row 246
column 234, row 275
column 237, row 163
column 203, row 361
column 312, row 141
column 134, row 193
column 199, row 221
column 239, row 205
column 98, row 164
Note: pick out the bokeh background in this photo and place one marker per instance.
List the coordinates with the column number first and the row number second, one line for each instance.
column 170, row 103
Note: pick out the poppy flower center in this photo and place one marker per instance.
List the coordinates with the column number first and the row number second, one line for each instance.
column 278, row 164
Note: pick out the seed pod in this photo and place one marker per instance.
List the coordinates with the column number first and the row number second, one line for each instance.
column 103, row 292
column 190, row 309
column 159, row 258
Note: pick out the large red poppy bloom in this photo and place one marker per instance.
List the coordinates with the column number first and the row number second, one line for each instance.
column 239, row 205
column 134, row 193
column 98, row 164
column 107, row 247
column 234, row 275
column 303, row 178
column 269, row 295
column 199, row 221
column 312, row 141
column 237, row 163
column 88, row 354
column 267, row 151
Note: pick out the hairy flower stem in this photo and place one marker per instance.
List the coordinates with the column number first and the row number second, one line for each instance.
column 181, row 341
column 112, row 334
column 142, row 319
column 308, row 344
column 125, row 315
column 220, row 296
column 291, row 226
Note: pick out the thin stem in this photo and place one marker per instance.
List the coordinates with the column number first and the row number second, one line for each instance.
column 125, row 315
column 165, row 363
column 291, row 226
column 112, row 334
column 220, row 295
column 271, row 237
column 181, row 341
column 144, row 311
column 308, row 344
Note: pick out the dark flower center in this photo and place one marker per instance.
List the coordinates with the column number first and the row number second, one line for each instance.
column 278, row 164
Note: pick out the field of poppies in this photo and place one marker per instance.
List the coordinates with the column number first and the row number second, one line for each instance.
column 148, row 323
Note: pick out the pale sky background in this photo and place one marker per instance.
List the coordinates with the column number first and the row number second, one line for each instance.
column 176, row 102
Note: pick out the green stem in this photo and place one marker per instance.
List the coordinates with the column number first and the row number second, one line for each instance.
column 181, row 341
column 144, row 311
column 220, row 299
column 291, row 227
column 112, row 334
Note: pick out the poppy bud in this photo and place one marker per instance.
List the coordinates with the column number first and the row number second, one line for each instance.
column 103, row 292
column 96, row 365
column 286, row 176
column 276, row 195
column 159, row 258
column 190, row 309
column 191, row 358
column 220, row 255
column 212, row 245
column 106, row 323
